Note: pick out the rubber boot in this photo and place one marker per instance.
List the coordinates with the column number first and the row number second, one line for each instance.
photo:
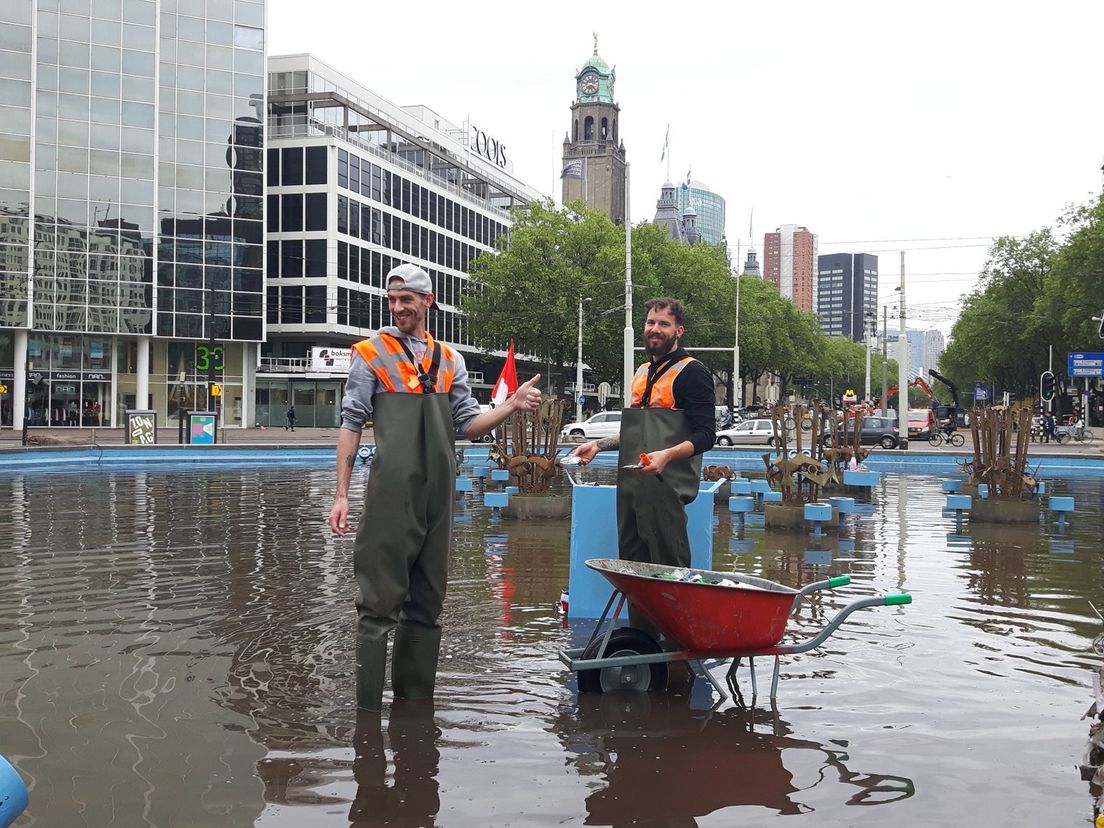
column 371, row 667
column 414, row 661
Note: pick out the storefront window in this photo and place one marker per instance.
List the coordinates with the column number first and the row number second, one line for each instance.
column 65, row 352
column 97, row 354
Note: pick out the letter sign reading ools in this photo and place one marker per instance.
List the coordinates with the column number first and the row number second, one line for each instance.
column 216, row 390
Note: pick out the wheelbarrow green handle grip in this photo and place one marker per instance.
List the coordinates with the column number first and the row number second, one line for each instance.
column 841, row 580
column 896, row 600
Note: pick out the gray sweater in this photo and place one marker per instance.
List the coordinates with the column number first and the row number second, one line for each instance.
column 356, row 405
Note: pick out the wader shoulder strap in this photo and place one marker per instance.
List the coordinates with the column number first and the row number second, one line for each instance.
column 655, row 371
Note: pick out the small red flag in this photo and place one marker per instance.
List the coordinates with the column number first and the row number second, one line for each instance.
column 507, row 383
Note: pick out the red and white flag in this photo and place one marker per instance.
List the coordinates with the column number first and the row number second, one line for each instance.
column 507, row 383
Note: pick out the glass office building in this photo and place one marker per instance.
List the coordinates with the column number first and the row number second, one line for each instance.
column 131, row 206
column 356, row 185
column 709, row 206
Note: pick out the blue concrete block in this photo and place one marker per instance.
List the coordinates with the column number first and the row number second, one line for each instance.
column 479, row 470
column 843, row 505
column 594, row 535
column 741, row 504
column 740, row 487
column 512, row 490
column 496, row 500
column 500, row 474
column 861, row 478
column 818, row 511
column 772, row 497
column 983, row 490
column 13, row 793
column 1040, row 487
column 760, row 487
column 956, row 502
column 463, row 484
column 952, row 486
column 1060, row 504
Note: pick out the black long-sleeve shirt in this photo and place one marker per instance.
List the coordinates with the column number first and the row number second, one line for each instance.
column 695, row 395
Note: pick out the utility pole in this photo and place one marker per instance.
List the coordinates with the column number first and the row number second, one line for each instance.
column 885, row 357
column 579, row 365
column 867, row 331
column 737, row 386
column 211, row 377
column 902, row 368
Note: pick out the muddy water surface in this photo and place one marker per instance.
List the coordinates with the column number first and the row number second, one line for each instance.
column 176, row 650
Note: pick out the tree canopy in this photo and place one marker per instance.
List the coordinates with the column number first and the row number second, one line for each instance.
column 1035, row 291
column 529, row 290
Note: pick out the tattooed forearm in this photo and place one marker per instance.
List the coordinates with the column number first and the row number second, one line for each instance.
column 608, row 443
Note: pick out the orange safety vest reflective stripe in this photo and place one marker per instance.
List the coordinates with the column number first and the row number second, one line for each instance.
column 387, row 360
column 663, row 393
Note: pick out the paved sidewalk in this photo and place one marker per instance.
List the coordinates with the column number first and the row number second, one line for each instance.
column 327, row 437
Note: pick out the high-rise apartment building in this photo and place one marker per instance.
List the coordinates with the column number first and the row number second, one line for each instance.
column 131, row 216
column 358, row 184
column 709, row 209
column 789, row 260
column 916, row 353
column 847, row 294
column 934, row 345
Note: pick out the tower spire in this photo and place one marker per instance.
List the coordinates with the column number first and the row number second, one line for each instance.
column 595, row 42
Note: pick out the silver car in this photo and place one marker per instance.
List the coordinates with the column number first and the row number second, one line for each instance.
column 749, row 432
column 602, row 424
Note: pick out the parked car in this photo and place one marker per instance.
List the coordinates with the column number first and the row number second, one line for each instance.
column 921, row 423
column 602, row 424
column 881, row 431
column 749, row 432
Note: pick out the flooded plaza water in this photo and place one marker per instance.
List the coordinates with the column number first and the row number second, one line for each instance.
column 176, row 649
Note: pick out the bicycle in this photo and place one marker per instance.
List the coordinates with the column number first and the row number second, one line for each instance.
column 946, row 435
column 1080, row 434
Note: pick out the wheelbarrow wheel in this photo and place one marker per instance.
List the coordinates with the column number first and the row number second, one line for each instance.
column 624, row 641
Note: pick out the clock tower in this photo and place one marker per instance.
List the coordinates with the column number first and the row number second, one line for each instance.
column 593, row 152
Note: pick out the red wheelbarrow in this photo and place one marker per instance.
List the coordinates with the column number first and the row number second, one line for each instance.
column 715, row 616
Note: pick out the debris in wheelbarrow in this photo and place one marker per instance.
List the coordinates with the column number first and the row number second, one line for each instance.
column 701, row 619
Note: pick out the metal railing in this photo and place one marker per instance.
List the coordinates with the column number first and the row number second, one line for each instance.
column 290, row 365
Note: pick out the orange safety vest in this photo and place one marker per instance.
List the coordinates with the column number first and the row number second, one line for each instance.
column 395, row 372
column 662, row 393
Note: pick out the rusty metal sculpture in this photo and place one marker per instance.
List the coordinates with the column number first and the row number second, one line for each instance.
column 801, row 473
column 526, row 444
column 1001, row 439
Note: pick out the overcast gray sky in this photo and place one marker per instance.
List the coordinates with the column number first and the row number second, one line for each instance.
column 869, row 123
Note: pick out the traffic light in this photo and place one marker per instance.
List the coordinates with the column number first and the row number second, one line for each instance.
column 1046, row 386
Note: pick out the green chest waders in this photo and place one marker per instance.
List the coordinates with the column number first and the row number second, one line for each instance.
column 402, row 545
column 651, row 514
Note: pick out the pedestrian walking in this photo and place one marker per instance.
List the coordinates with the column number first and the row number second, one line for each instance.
column 415, row 389
column 290, row 418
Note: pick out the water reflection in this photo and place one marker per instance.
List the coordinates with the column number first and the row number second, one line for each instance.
column 179, row 645
column 664, row 763
column 412, row 798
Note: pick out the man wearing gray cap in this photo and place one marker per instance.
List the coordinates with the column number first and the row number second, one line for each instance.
column 415, row 390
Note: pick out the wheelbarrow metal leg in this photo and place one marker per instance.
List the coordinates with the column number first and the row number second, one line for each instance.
column 754, row 684
column 774, row 681
column 698, row 668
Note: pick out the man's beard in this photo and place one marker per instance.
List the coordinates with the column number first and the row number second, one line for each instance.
column 658, row 347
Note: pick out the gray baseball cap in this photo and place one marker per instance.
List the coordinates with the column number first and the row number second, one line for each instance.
column 409, row 277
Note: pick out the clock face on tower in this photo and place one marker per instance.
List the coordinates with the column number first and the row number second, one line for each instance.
column 590, row 84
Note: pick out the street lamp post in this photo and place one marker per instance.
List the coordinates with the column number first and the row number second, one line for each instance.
column 579, row 365
column 902, row 367
column 737, row 385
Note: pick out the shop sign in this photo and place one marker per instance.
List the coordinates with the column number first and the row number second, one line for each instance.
column 64, row 375
column 490, row 148
column 96, row 376
column 331, row 360
column 201, row 428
